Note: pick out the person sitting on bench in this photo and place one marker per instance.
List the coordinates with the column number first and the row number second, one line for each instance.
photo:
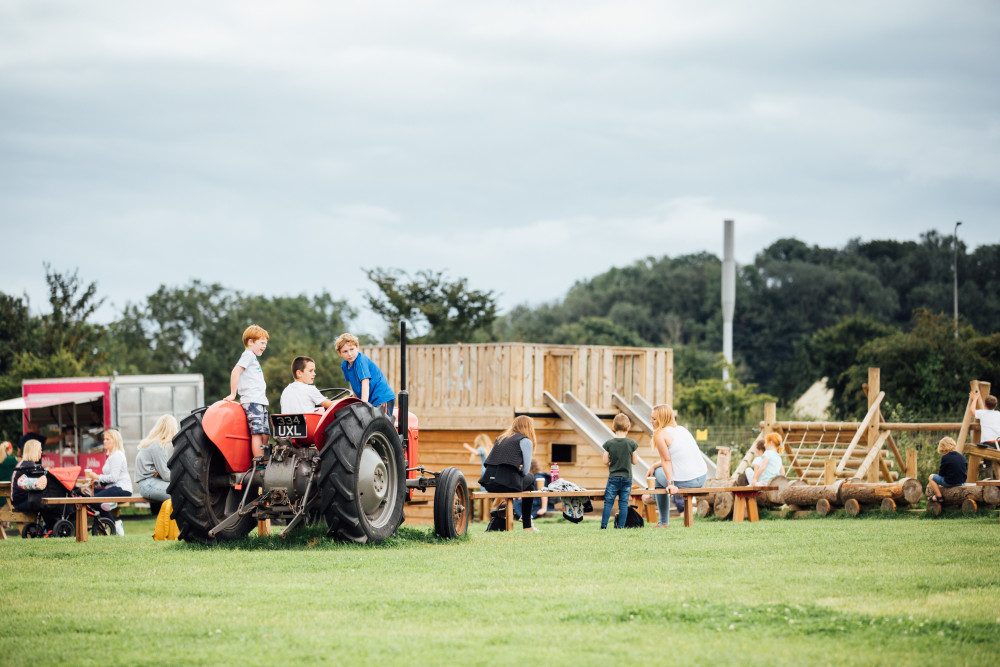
column 508, row 466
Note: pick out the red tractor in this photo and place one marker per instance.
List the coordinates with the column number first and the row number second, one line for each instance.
column 348, row 466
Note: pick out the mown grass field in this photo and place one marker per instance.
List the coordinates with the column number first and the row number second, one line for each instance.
column 811, row 591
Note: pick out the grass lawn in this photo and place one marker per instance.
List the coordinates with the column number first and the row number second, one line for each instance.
column 815, row 591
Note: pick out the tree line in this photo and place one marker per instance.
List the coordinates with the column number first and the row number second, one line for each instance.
column 802, row 312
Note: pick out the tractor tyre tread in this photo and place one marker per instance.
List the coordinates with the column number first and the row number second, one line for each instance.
column 340, row 455
column 450, row 482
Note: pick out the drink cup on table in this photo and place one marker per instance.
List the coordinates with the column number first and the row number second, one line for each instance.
column 650, row 482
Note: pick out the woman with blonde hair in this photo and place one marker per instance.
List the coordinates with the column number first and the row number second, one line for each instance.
column 26, row 495
column 114, row 475
column 508, row 466
column 681, row 464
column 151, row 472
column 953, row 471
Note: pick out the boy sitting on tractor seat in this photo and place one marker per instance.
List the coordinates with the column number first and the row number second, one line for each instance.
column 301, row 396
column 366, row 379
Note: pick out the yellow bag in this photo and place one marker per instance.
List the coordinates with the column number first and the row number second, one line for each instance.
column 166, row 528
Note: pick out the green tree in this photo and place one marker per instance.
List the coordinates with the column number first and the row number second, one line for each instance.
column 711, row 401
column 834, row 350
column 927, row 369
column 450, row 311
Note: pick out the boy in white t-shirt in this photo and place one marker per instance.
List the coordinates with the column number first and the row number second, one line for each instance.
column 301, row 396
column 989, row 420
column 247, row 379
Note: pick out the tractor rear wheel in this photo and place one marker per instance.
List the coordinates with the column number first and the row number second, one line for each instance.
column 451, row 504
column 199, row 486
column 363, row 475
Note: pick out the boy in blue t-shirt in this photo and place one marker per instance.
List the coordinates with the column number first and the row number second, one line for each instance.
column 620, row 454
column 366, row 379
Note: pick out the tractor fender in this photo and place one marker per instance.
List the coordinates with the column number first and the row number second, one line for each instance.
column 317, row 437
column 225, row 424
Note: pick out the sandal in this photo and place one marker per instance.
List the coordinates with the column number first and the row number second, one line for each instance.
column 935, row 499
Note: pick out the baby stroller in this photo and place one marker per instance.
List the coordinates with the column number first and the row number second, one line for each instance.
column 58, row 520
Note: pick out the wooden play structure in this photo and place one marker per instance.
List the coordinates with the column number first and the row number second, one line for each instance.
column 572, row 392
column 857, row 465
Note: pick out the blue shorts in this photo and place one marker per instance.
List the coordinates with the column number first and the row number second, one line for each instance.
column 257, row 418
column 943, row 484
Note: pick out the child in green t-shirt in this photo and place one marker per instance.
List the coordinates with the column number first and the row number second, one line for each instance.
column 620, row 453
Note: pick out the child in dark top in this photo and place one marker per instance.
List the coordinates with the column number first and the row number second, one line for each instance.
column 620, row 454
column 952, row 472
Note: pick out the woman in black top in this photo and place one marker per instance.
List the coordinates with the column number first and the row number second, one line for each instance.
column 508, row 466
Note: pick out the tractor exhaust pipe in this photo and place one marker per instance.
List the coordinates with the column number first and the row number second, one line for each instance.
column 404, row 398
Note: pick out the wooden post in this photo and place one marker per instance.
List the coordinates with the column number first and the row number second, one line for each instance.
column 770, row 416
column 968, row 417
column 263, row 528
column 911, row 463
column 510, row 514
column 829, row 472
column 723, row 463
column 874, row 387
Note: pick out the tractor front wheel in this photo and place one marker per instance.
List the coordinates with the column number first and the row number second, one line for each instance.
column 199, row 486
column 451, row 504
column 363, row 475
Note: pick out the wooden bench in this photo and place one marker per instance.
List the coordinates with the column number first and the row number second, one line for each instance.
column 746, row 500
column 509, row 496
column 8, row 514
column 81, row 503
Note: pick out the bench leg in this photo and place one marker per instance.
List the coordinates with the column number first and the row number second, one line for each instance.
column 688, row 512
column 509, row 514
column 739, row 509
column 752, row 506
column 81, row 523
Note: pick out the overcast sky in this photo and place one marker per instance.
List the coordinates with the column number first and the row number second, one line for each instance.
column 285, row 147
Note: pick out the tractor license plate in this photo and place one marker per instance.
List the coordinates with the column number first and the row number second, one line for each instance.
column 287, row 427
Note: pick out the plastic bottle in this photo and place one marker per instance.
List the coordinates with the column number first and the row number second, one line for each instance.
column 554, row 472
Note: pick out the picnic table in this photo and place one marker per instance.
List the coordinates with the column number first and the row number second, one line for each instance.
column 7, row 513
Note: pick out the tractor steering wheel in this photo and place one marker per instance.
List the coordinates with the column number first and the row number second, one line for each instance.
column 341, row 391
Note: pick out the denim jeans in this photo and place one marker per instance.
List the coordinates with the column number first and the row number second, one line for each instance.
column 620, row 487
column 153, row 488
column 110, row 491
column 663, row 501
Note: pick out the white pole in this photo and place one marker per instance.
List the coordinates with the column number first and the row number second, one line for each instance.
column 728, row 295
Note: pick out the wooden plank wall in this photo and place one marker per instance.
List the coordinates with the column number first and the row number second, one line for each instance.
column 513, row 376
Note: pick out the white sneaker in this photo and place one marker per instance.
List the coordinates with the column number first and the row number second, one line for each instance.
column 119, row 527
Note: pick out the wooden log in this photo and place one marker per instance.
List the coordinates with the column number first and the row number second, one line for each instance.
column 773, row 498
column 954, row 496
column 852, row 507
column 723, row 505
column 871, row 493
column 704, row 508
column 969, row 506
column 823, row 507
column 991, row 495
column 888, row 506
column 934, row 508
column 800, row 493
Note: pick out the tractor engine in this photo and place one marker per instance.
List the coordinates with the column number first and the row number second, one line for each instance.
column 290, row 476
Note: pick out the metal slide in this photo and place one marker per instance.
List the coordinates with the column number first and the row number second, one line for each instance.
column 589, row 425
column 641, row 414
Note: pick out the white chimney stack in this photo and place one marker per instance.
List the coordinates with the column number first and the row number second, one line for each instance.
column 728, row 294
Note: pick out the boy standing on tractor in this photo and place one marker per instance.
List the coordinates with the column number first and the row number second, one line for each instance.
column 366, row 379
column 247, row 380
column 301, row 396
